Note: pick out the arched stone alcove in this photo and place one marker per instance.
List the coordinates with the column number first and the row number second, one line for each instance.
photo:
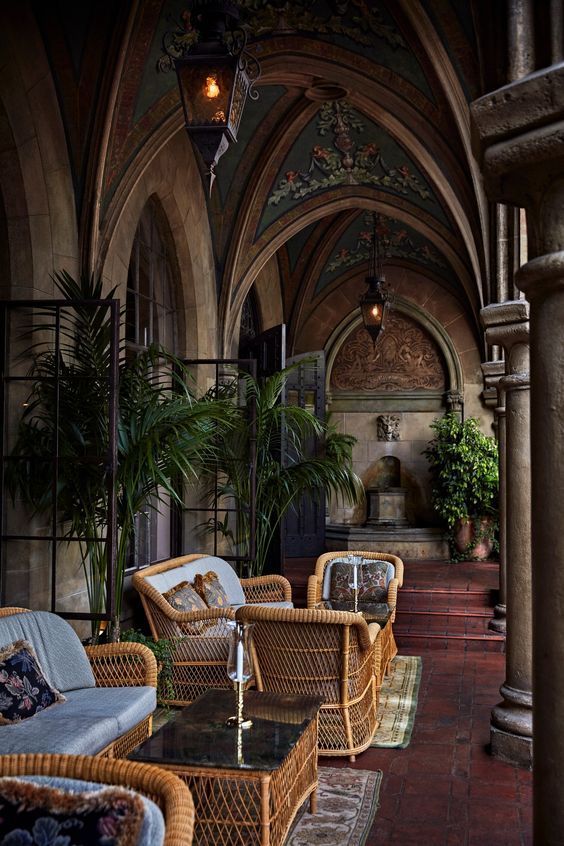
column 387, row 395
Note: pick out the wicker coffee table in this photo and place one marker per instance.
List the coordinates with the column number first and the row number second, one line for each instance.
column 247, row 785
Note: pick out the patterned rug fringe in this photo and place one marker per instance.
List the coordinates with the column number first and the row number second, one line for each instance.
column 398, row 703
column 347, row 805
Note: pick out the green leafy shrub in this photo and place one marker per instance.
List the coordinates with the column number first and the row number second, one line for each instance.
column 162, row 649
column 465, row 474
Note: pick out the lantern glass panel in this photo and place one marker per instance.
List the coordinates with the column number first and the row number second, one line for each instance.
column 206, row 88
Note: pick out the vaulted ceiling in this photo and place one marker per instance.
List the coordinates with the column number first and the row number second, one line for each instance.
column 363, row 106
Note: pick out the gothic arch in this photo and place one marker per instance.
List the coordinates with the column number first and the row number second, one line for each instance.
column 35, row 172
column 453, row 365
column 173, row 179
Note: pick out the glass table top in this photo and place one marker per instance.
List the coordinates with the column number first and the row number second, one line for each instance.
column 373, row 612
column 198, row 735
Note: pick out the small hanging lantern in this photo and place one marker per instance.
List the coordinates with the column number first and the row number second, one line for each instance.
column 215, row 76
column 375, row 301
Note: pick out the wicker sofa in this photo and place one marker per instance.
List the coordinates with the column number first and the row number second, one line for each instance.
column 110, row 691
column 166, row 790
column 201, row 637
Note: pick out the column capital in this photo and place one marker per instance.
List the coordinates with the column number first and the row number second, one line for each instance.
column 517, row 132
column 492, row 372
column 506, row 323
column 542, row 275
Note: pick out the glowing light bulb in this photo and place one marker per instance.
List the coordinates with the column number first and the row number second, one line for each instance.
column 375, row 311
column 211, row 88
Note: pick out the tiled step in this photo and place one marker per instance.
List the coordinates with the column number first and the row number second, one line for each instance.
column 431, row 598
column 453, row 617
column 411, row 643
column 443, row 622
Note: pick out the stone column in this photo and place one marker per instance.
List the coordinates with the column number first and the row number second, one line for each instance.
column 520, row 141
column 494, row 396
column 511, row 728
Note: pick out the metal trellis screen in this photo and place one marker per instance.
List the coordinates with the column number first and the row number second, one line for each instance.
column 59, row 457
column 213, row 519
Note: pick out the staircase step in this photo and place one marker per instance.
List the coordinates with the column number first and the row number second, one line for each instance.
column 411, row 598
column 442, row 624
column 411, row 642
column 486, row 613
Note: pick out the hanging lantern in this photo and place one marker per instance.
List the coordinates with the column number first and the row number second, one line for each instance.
column 375, row 302
column 215, row 76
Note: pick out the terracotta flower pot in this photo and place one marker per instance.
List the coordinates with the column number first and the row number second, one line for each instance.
column 465, row 533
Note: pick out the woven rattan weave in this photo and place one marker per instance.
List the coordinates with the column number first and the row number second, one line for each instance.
column 332, row 654
column 202, row 637
column 315, row 594
column 247, row 785
column 166, row 790
column 118, row 665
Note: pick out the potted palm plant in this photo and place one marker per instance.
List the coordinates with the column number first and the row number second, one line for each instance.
column 164, row 434
column 465, row 482
column 286, row 469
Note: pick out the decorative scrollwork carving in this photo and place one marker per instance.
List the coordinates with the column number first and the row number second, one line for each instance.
column 405, row 359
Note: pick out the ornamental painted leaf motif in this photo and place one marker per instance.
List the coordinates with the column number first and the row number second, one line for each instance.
column 345, row 163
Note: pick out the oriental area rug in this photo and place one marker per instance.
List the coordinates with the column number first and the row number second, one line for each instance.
column 398, row 703
column 346, row 806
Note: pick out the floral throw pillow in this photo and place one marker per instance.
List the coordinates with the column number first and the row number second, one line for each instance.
column 341, row 581
column 183, row 597
column 211, row 590
column 371, row 576
column 373, row 587
column 34, row 815
column 24, row 690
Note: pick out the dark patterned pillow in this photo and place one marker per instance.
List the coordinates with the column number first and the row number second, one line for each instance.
column 34, row 814
column 211, row 590
column 373, row 586
column 183, row 597
column 24, row 690
column 341, row 581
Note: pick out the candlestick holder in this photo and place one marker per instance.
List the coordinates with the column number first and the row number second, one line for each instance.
column 355, row 561
column 238, row 720
column 240, row 670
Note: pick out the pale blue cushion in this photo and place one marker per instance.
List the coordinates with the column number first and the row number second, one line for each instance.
column 187, row 572
column 153, row 826
column 57, row 646
column 88, row 721
column 69, row 735
column 282, row 604
column 127, row 705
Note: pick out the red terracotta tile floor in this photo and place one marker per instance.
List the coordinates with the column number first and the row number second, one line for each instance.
column 444, row 789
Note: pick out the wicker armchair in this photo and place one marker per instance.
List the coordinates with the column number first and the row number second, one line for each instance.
column 201, row 637
column 332, row 654
column 168, row 791
column 117, row 665
column 317, row 592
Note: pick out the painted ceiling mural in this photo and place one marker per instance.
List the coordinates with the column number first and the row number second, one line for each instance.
column 338, row 147
column 148, row 93
column 397, row 241
column 295, row 152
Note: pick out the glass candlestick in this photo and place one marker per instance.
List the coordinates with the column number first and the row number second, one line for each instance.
column 239, row 669
column 355, row 562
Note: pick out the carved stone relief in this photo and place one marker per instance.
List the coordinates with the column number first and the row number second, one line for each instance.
column 388, row 427
column 405, row 358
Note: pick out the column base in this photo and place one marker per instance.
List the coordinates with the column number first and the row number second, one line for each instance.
column 498, row 623
column 511, row 727
column 511, row 748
